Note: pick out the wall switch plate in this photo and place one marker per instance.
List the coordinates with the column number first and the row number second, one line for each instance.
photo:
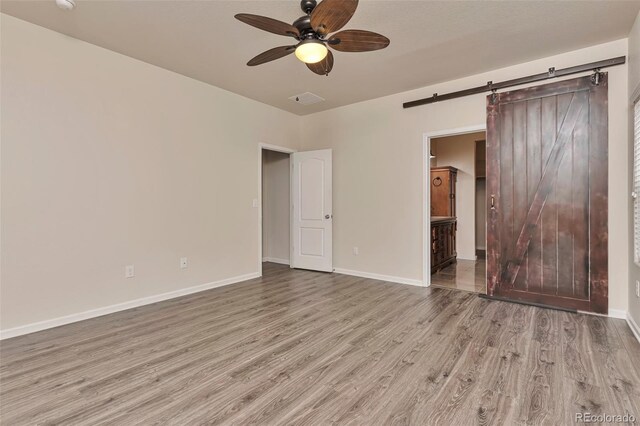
column 129, row 271
column 255, row 202
column 637, row 288
column 183, row 263
column 356, row 251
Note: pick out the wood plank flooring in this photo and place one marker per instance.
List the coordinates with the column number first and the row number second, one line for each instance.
column 300, row 347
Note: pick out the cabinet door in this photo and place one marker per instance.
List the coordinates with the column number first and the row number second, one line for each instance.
column 440, row 193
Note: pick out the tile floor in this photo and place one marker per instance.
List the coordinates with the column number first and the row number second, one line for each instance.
column 465, row 275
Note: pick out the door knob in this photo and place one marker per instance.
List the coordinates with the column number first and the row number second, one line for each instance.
column 327, row 216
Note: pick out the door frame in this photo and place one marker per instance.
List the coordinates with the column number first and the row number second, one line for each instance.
column 267, row 147
column 426, row 191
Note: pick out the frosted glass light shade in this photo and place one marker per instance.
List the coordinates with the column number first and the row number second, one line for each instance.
column 311, row 51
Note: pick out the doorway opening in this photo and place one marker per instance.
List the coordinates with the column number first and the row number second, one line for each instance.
column 457, row 210
column 295, row 219
column 275, row 206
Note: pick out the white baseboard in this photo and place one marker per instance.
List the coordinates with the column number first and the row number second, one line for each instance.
column 387, row 278
column 617, row 313
column 633, row 326
column 276, row 260
column 474, row 258
column 613, row 313
column 56, row 322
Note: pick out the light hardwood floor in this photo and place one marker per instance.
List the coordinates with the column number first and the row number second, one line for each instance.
column 299, row 347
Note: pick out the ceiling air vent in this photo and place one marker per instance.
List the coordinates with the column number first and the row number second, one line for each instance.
column 306, row 98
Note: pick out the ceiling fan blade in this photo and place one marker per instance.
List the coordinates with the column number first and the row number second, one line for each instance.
column 272, row 55
column 269, row 24
column 357, row 41
column 323, row 67
column 331, row 15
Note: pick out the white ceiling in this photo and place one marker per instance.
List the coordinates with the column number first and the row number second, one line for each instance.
column 431, row 41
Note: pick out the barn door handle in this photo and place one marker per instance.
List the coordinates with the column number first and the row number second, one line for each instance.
column 493, row 202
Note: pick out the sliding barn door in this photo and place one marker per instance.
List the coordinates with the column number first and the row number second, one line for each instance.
column 547, row 194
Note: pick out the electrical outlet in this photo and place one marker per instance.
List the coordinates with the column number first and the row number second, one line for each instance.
column 637, row 288
column 356, row 251
column 255, row 202
column 183, row 263
column 129, row 271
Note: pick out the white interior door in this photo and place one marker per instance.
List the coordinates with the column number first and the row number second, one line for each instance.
column 312, row 219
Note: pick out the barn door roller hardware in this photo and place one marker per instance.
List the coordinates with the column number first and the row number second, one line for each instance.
column 551, row 73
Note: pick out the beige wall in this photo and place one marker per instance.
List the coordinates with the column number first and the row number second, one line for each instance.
column 460, row 152
column 634, row 92
column 378, row 167
column 275, row 206
column 108, row 161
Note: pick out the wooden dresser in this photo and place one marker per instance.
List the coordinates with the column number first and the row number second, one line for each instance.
column 443, row 217
column 443, row 242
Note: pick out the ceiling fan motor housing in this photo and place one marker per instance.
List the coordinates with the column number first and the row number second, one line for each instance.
column 303, row 24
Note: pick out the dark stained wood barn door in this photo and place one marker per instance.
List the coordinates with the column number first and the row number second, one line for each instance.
column 547, row 195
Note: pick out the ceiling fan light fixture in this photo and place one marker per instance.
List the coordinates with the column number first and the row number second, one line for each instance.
column 311, row 51
column 322, row 19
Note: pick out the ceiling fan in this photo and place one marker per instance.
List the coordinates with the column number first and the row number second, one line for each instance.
column 312, row 33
